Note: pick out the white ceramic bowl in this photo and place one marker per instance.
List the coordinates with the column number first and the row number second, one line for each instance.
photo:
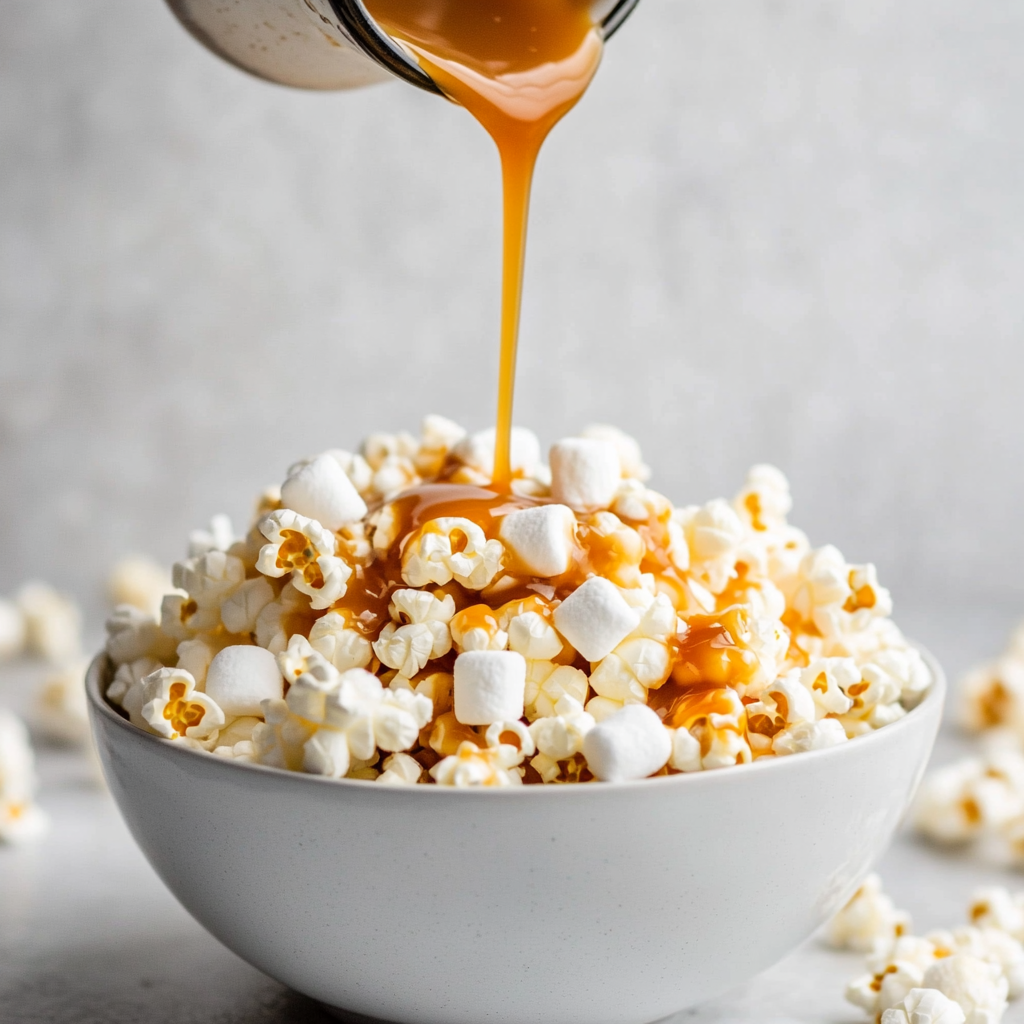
column 594, row 904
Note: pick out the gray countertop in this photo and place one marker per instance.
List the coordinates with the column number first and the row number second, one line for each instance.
column 89, row 935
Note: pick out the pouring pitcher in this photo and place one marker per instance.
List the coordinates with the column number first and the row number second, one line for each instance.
column 320, row 44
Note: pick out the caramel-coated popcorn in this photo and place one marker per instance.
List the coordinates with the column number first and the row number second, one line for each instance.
column 430, row 630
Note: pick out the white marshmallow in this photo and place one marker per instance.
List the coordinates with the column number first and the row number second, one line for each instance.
column 240, row 677
column 595, row 618
column 322, row 491
column 540, row 538
column 490, row 686
column 631, row 744
column 585, row 473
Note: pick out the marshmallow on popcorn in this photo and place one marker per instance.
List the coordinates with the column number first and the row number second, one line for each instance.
column 595, row 618
column 321, row 490
column 490, row 686
column 540, row 539
column 631, row 744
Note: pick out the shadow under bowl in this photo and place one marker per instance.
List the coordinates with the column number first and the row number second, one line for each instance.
column 590, row 904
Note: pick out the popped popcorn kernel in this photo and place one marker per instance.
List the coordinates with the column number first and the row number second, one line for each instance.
column 391, row 617
column 21, row 820
column 303, row 548
column 175, row 709
column 868, row 921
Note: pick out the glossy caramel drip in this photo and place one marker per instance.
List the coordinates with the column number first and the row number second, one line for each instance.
column 707, row 661
column 518, row 66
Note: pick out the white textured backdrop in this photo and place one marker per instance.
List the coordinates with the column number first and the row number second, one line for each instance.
column 774, row 230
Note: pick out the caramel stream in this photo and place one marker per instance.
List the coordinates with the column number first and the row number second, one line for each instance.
column 518, row 66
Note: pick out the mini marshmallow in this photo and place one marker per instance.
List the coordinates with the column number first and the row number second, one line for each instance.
column 490, row 687
column 631, row 462
column 239, row 678
column 595, row 618
column 631, row 744
column 322, row 491
column 540, row 538
column 585, row 473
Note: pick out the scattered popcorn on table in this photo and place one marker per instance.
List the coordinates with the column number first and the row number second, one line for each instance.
column 977, row 802
column 974, row 968
column 20, row 819
column 388, row 617
column 53, row 623
column 869, row 921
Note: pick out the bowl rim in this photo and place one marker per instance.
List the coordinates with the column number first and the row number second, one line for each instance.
column 935, row 695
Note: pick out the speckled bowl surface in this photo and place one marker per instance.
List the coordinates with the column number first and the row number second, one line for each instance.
column 592, row 904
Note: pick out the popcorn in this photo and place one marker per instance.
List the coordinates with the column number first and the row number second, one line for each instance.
column 532, row 636
column 714, row 534
column 408, row 648
column 400, row 770
column 585, row 473
column 631, row 464
column 132, row 634
column 595, row 618
column 993, row 907
column 53, row 623
column 174, row 709
column 924, row 1006
column 13, row 630
column 339, row 644
column 869, row 920
column 208, row 579
column 579, row 629
column 547, row 683
column 476, row 453
column 797, row 739
column 472, row 766
column 139, row 582
column 559, row 737
column 451, row 548
column 631, row 744
column 967, row 799
column 60, row 711
column 239, row 679
column 827, row 680
column 978, row 987
column 302, row 547
column 993, row 695
column 476, row 628
column 219, row 537
column 539, row 540
column 490, row 686
column 241, row 611
column 321, row 490
column 21, row 821
column 438, row 436
column 764, row 500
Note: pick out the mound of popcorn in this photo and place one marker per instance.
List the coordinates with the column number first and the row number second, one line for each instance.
column 390, row 616
column 963, row 975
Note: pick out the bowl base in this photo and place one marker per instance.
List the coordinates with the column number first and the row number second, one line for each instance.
column 357, row 1018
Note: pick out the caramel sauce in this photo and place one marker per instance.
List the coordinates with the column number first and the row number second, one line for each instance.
column 707, row 661
column 518, row 66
